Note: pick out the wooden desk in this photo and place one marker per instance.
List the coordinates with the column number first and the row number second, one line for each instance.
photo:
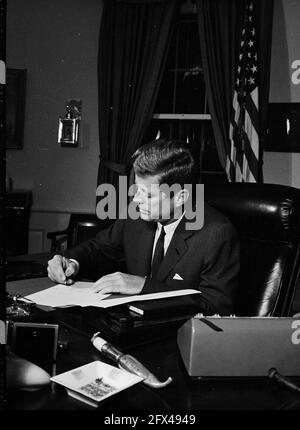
column 163, row 359
column 17, row 214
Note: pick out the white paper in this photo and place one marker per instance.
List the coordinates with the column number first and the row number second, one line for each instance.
column 78, row 294
column 82, row 294
column 117, row 301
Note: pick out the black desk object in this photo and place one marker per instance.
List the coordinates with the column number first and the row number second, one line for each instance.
column 162, row 358
column 17, row 215
column 27, row 266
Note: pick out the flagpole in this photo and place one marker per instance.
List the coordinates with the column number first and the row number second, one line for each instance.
column 242, row 93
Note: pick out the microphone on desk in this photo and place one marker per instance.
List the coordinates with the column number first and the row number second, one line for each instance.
column 127, row 362
column 274, row 374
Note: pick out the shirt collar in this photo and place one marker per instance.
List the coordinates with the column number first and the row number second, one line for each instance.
column 169, row 228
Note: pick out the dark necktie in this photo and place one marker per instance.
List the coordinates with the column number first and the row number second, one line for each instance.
column 158, row 253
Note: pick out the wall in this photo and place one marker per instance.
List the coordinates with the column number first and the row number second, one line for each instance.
column 57, row 42
column 284, row 167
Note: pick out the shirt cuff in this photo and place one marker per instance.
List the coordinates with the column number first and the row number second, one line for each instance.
column 76, row 263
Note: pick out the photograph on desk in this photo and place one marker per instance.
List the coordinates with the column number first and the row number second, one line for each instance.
column 170, row 222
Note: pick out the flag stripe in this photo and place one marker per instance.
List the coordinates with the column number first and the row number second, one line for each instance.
column 253, row 140
column 234, row 115
column 247, row 174
column 252, row 109
column 250, row 156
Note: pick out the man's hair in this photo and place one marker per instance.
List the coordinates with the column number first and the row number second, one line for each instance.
column 172, row 160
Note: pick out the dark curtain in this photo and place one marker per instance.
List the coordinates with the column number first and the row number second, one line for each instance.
column 220, row 25
column 134, row 41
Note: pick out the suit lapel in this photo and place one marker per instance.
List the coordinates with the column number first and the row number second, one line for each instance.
column 176, row 250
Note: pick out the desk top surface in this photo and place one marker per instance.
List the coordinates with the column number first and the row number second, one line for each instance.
column 163, row 359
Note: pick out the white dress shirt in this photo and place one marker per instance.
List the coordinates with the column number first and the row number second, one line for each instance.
column 169, row 231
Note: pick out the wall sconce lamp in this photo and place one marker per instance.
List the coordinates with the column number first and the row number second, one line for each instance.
column 68, row 128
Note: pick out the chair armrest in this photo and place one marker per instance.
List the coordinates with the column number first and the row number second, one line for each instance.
column 53, row 234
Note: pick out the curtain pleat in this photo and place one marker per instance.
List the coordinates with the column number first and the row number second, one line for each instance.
column 133, row 46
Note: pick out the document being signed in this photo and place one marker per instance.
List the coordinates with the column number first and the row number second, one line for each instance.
column 82, row 294
column 78, row 294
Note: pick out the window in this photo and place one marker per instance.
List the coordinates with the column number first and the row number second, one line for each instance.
column 181, row 110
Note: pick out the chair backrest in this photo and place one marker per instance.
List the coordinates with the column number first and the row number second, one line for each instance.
column 84, row 226
column 267, row 218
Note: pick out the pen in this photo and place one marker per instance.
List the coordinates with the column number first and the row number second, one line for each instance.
column 64, row 266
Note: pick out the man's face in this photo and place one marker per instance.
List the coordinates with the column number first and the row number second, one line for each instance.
column 154, row 204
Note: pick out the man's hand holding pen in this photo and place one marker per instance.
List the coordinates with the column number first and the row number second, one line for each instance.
column 62, row 270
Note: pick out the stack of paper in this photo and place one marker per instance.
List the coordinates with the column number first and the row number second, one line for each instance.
column 83, row 294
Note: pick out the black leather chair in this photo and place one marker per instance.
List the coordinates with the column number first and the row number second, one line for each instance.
column 267, row 218
column 81, row 227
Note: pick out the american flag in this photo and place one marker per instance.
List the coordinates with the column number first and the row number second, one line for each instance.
column 243, row 160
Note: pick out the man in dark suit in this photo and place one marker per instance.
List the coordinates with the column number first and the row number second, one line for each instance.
column 159, row 249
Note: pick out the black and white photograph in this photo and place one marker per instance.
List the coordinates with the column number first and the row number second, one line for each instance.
column 150, row 209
